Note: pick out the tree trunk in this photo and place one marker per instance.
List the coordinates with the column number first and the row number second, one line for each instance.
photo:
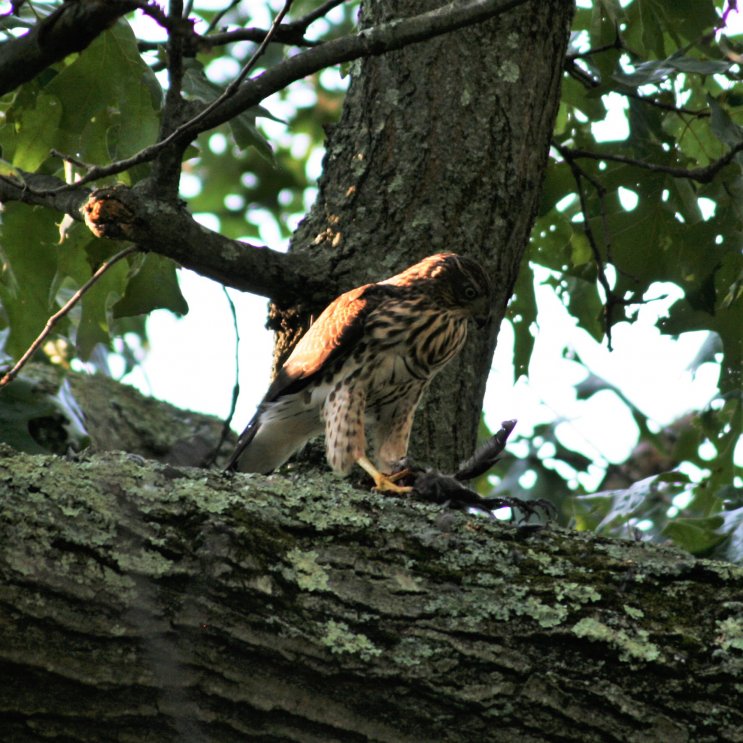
column 139, row 602
column 441, row 146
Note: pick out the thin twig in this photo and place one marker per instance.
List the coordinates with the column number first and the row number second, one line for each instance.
column 322, row 10
column 69, row 159
column 249, row 65
column 165, row 171
column 616, row 44
column 217, row 18
column 256, row 35
column 57, row 316
column 612, row 300
column 701, row 175
column 586, row 79
column 154, row 11
column 236, row 388
column 287, row 33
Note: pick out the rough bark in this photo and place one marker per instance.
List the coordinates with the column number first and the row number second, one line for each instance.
column 441, row 146
column 139, row 601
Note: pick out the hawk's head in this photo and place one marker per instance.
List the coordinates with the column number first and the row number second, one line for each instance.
column 456, row 282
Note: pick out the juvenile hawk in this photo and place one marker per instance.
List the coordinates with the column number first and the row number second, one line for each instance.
column 363, row 365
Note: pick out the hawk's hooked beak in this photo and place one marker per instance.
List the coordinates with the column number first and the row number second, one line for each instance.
column 481, row 311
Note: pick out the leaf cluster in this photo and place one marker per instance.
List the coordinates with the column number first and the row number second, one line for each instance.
column 656, row 202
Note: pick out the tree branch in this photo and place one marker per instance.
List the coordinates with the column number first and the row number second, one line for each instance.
column 700, row 175
column 298, row 608
column 133, row 214
column 71, row 28
column 369, row 42
column 166, row 171
column 585, row 79
column 291, row 32
column 612, row 300
column 373, row 41
column 38, row 189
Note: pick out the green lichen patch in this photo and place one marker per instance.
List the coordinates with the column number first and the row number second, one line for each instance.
column 305, row 571
column 341, row 639
column 633, row 612
column 631, row 648
column 730, row 634
column 544, row 615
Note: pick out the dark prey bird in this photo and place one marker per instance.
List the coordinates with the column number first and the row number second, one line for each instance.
column 363, row 367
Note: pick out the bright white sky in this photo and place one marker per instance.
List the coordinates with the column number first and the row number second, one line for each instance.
column 191, row 361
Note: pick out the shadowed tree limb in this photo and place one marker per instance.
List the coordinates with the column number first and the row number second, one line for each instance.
column 70, row 28
column 135, row 214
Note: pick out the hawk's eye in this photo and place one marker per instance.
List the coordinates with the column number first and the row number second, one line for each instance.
column 470, row 292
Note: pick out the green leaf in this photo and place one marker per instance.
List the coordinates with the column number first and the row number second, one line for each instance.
column 616, row 507
column 652, row 33
column 579, row 97
column 110, row 100
column 243, row 127
column 585, row 304
column 646, row 73
column 95, row 319
column 695, row 535
column 700, row 66
column 581, row 249
column 522, row 312
column 558, row 183
column 153, row 286
column 723, row 127
column 247, row 134
column 688, row 200
column 723, row 320
column 691, row 18
column 29, row 251
column 36, row 128
column 653, row 72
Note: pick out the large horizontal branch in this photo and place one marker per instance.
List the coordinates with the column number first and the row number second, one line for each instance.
column 71, row 28
column 169, row 604
column 169, row 230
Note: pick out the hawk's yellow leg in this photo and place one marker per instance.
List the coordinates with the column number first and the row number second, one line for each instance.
column 382, row 483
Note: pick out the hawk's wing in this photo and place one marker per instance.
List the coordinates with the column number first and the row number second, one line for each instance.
column 332, row 337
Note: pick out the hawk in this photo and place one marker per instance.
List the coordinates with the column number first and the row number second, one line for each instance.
column 363, row 367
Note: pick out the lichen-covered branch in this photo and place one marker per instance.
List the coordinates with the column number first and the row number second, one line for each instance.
column 181, row 604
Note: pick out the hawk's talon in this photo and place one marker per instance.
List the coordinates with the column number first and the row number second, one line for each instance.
column 383, row 483
column 399, row 475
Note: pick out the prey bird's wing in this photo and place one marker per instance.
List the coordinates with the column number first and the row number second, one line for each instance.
column 330, row 339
